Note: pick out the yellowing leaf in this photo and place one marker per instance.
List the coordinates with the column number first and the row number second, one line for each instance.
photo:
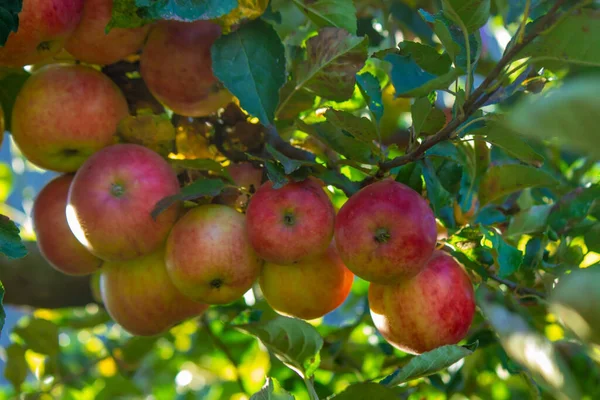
column 155, row 132
column 246, row 10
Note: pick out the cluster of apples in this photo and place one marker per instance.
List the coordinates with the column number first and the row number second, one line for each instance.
column 156, row 272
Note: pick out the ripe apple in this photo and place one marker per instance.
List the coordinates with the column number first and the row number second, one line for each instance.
column 576, row 301
column 139, row 296
column 55, row 240
column 65, row 113
column 209, row 257
column 291, row 223
column 308, row 289
column 91, row 44
column 44, row 25
column 385, row 233
column 244, row 175
column 111, row 199
column 185, row 83
column 433, row 309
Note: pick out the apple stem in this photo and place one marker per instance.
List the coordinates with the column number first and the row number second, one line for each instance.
column 382, row 235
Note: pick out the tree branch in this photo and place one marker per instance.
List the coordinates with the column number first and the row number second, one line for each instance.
column 31, row 281
column 478, row 97
column 515, row 287
column 284, row 147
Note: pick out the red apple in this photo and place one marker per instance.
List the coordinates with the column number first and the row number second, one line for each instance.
column 289, row 224
column 55, row 240
column 209, row 257
column 111, row 199
column 185, row 83
column 385, row 233
column 91, row 44
column 44, row 25
column 65, row 113
column 244, row 175
column 139, row 296
column 308, row 289
column 433, row 309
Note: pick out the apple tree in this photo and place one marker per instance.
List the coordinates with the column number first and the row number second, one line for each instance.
column 324, row 199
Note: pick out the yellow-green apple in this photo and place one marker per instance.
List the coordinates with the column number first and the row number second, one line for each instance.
column 44, row 25
column 139, row 295
column 91, row 44
column 55, row 240
column 65, row 113
column 209, row 257
column 576, row 301
column 433, row 309
column 185, row 83
column 291, row 223
column 111, row 199
column 308, row 289
column 386, row 232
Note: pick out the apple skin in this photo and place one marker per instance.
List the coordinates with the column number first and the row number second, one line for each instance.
column 139, row 296
column 65, row 113
column 385, row 233
column 244, row 175
column 433, row 309
column 89, row 42
column 111, row 199
column 308, row 289
column 576, row 301
column 209, row 257
column 291, row 223
column 44, row 25
column 55, row 240
column 185, row 83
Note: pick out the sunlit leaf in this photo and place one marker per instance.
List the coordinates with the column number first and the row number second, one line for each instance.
column 367, row 390
column 15, row 369
column 473, row 13
column 507, row 257
column 502, row 180
column 272, row 391
column 335, row 13
column 196, row 190
column 39, row 335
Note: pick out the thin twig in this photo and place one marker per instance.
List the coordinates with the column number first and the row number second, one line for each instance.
column 477, row 98
column 516, row 287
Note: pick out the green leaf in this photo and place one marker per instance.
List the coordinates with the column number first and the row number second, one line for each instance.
column 501, row 180
column 9, row 18
column 371, row 91
column 438, row 196
column 527, row 347
column 575, row 40
column 592, row 238
column 427, row 119
column 335, row 13
column 289, row 165
column 200, row 188
column 201, row 164
column 419, row 70
column 11, row 81
column 502, row 136
column 338, row 180
column 15, row 369
column 10, row 241
column 567, row 114
column 334, row 58
column 187, row 10
column 367, row 390
column 251, row 64
column 507, row 257
column 2, row 313
column 531, row 220
column 573, row 208
column 39, row 335
column 272, row 390
column 473, row 13
column 295, row 342
column 125, row 14
column 137, row 347
column 155, row 132
column 410, row 175
column 276, row 174
column 360, row 128
column 339, row 141
column 427, row 364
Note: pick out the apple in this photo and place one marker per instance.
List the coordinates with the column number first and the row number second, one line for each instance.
column 91, row 44
column 55, row 240
column 65, row 113
column 44, row 25
column 209, row 257
column 291, row 223
column 185, row 83
column 576, row 301
column 111, row 199
column 139, row 296
column 244, row 175
column 385, row 232
column 308, row 289
column 433, row 309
